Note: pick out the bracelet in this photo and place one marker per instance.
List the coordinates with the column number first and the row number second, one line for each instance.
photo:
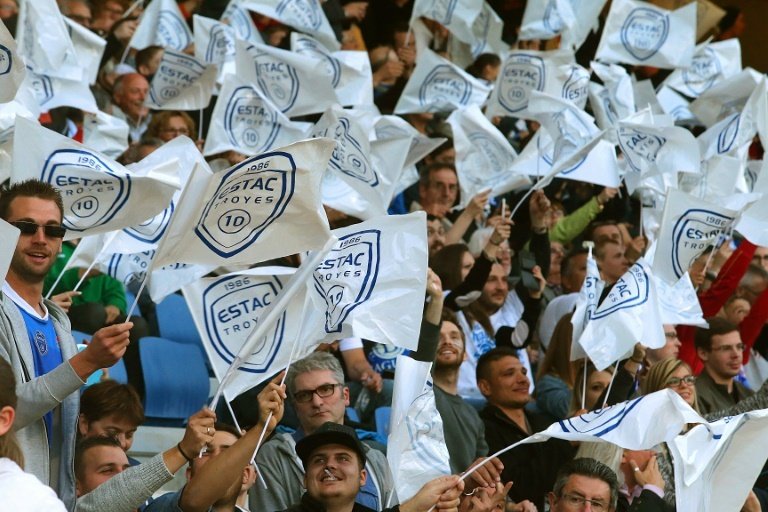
column 178, row 447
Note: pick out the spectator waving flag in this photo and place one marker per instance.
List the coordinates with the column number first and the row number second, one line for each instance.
column 629, row 314
column 99, row 194
column 181, row 82
column 51, row 92
column 641, row 34
column 245, row 121
column 11, row 66
column 272, row 198
column 215, row 43
column 371, row 284
column 303, row 15
column 484, row 157
column 586, row 304
column 226, row 310
column 688, row 226
column 729, row 452
column 162, row 24
column 289, row 80
column 438, row 85
column 43, row 39
column 89, row 49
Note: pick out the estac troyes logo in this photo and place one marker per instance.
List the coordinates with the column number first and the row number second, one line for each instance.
column 6, row 60
column 92, row 192
column 347, row 277
column 703, row 71
column 443, row 87
column 694, row 231
column 304, row 13
column 308, row 47
column 630, row 291
column 248, row 199
column 239, row 20
column 172, row 31
column 348, row 156
column 488, row 155
column 639, row 147
column 277, row 79
column 553, row 22
column 249, row 122
column 221, row 44
column 127, row 268
column 522, row 73
column 232, row 307
column 176, row 73
column 644, row 32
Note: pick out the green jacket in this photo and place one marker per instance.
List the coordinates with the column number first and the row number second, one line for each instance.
column 100, row 288
column 571, row 226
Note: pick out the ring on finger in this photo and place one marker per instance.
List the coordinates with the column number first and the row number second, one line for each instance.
column 208, row 430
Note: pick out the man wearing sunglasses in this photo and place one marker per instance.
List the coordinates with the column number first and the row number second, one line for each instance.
column 35, row 338
column 316, row 389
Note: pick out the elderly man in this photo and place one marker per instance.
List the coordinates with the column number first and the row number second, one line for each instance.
column 334, row 462
column 316, row 387
column 128, row 95
column 35, row 338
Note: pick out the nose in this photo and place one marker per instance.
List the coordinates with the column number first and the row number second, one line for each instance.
column 39, row 236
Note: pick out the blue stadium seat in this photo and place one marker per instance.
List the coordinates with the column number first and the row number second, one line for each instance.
column 175, row 378
column 129, row 299
column 175, row 322
column 382, row 415
column 118, row 372
column 81, row 338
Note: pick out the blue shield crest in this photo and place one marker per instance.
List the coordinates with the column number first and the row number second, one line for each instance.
column 42, row 87
column 249, row 198
column 695, row 230
column 302, row 13
column 176, row 73
column 521, row 74
column 278, row 80
column 576, row 87
column 444, row 88
column 639, row 147
column 644, row 32
column 6, row 60
column 348, row 155
column 151, row 230
column 92, row 192
column 128, row 268
column 704, row 70
column 172, row 31
column 552, row 20
column 488, row 154
column 250, row 123
column 347, row 277
column 220, row 45
column 232, row 307
column 240, row 21
column 628, row 292
column 305, row 46
column 727, row 136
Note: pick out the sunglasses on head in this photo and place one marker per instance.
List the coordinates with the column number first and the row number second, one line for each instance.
column 30, row 228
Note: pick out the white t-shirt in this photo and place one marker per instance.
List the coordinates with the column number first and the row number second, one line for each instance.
column 23, row 492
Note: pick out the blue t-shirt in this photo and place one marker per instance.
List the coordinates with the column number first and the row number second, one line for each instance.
column 45, row 350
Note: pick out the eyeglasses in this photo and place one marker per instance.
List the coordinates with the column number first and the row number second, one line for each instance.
column 323, row 391
column 676, row 381
column 738, row 347
column 574, row 501
column 30, row 228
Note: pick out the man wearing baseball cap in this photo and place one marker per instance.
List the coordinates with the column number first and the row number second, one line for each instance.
column 334, row 470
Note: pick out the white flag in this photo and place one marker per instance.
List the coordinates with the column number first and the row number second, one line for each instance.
column 11, row 66
column 416, row 449
column 676, row 106
column 484, row 157
column 572, row 19
column 350, row 72
column 245, row 121
column 641, row 34
column 720, row 176
column 272, row 198
column 10, row 236
column 726, row 98
column 162, row 24
column 105, row 133
column 730, row 451
column 303, row 15
column 438, row 85
column 689, row 225
column 679, row 303
column 226, row 309
column 712, row 63
column 371, row 285
column 486, row 33
column 525, row 71
column 240, row 20
column 214, row 41
column 753, row 223
column 628, row 314
column 569, row 127
column 43, row 39
column 586, row 304
column 99, row 194
column 290, row 81
column 89, row 49
column 51, row 92
column 181, row 82
column 457, row 16
column 618, row 100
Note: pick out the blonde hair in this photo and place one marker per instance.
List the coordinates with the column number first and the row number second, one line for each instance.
column 659, row 375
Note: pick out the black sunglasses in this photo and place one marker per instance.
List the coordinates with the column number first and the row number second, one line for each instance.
column 30, row 228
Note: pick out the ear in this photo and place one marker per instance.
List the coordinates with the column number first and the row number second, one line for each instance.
column 78, row 488
column 7, row 415
column 551, row 497
column 82, row 424
column 484, row 387
column 249, row 476
column 363, row 476
column 703, row 354
column 345, row 395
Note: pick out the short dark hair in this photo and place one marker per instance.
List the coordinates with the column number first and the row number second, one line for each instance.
column 717, row 327
column 29, row 188
column 493, row 355
column 143, row 57
column 226, row 427
column 425, row 174
column 88, row 443
column 589, row 233
column 589, row 468
column 565, row 264
column 109, row 398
